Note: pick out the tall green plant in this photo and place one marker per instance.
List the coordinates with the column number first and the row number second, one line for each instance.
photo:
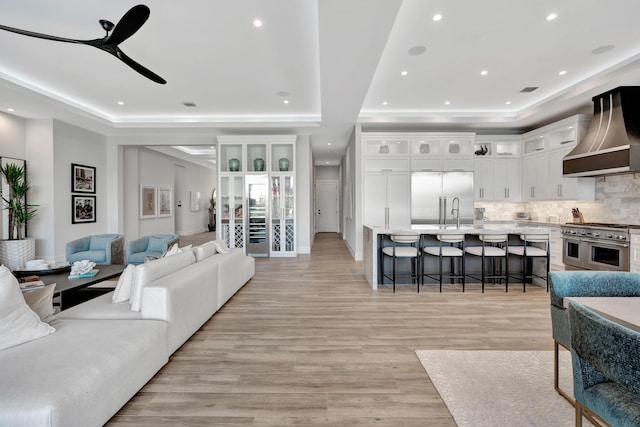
column 15, row 202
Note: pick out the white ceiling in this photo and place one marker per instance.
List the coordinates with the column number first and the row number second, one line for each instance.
column 335, row 61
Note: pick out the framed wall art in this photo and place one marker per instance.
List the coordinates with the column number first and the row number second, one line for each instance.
column 83, row 179
column 165, row 202
column 147, row 201
column 195, row 201
column 83, row 209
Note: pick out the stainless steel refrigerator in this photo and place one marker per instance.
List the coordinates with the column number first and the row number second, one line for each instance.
column 433, row 194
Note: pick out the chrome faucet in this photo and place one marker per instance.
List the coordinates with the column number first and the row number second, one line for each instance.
column 455, row 211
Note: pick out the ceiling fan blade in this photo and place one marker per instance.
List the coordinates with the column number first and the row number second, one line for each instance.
column 40, row 35
column 128, row 24
column 139, row 68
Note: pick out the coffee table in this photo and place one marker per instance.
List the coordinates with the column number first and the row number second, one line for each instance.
column 64, row 285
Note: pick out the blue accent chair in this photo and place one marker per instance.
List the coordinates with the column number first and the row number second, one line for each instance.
column 149, row 246
column 606, row 368
column 102, row 249
column 582, row 284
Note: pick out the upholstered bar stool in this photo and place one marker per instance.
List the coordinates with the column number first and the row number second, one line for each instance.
column 451, row 247
column 403, row 246
column 495, row 247
column 528, row 252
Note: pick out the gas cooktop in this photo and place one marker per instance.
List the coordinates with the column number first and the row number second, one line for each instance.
column 602, row 225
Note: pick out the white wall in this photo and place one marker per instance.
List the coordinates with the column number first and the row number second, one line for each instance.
column 304, row 192
column 352, row 179
column 12, row 135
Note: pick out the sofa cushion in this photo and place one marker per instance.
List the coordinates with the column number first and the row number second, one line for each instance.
column 221, row 246
column 123, row 287
column 95, row 256
column 205, row 250
column 41, row 302
column 99, row 243
column 81, row 375
column 156, row 244
column 172, row 250
column 18, row 323
column 101, row 307
column 148, row 272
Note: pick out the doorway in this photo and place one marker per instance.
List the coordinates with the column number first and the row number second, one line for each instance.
column 327, row 206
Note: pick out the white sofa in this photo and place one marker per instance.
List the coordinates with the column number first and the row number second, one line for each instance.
column 102, row 352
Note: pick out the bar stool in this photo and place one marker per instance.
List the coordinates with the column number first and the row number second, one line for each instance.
column 494, row 247
column 528, row 252
column 404, row 246
column 451, row 246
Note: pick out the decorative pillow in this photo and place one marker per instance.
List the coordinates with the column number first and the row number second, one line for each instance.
column 18, row 323
column 156, row 244
column 205, row 250
column 174, row 250
column 41, row 302
column 99, row 243
column 123, row 288
column 221, row 246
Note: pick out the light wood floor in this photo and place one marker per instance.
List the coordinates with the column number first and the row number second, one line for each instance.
column 307, row 342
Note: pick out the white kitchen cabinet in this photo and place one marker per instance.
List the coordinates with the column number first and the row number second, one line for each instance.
column 484, row 181
column 555, row 246
column 535, row 177
column 507, row 180
column 569, row 188
column 387, row 191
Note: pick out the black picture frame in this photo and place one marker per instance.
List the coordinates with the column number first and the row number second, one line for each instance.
column 83, row 179
column 83, row 209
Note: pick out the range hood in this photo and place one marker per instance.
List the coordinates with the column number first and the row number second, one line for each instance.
column 612, row 142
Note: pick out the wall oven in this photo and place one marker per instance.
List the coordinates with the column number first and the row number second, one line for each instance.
column 595, row 246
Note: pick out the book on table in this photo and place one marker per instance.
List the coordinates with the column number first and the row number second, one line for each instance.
column 85, row 275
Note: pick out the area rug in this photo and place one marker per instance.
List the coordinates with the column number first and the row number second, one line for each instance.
column 501, row 388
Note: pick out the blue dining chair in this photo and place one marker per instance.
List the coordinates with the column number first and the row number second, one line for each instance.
column 606, row 368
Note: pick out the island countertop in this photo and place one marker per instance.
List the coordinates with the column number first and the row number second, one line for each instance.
column 371, row 240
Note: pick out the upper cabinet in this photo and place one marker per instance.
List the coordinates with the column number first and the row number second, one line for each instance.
column 497, row 168
column 544, row 150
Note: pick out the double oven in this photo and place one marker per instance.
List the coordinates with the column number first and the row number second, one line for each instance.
column 595, row 246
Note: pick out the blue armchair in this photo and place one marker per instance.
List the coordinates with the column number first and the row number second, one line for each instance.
column 606, row 368
column 102, row 249
column 582, row 284
column 149, row 246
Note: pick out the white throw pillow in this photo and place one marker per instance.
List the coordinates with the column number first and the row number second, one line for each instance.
column 41, row 302
column 205, row 250
column 173, row 250
column 18, row 323
column 123, row 288
column 221, row 246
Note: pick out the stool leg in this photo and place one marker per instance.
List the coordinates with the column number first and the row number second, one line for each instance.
column 482, row 270
column 440, row 270
column 506, row 271
column 394, row 274
column 462, row 262
column 524, row 273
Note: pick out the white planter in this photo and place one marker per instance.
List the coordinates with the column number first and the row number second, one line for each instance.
column 14, row 253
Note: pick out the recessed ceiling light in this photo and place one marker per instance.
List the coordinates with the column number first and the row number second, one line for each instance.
column 447, row 102
column 120, row 103
column 404, row 73
column 327, row 163
column 11, row 110
column 384, row 102
column 437, row 17
column 508, row 102
column 603, row 49
column 257, row 23
column 286, row 101
column 562, row 73
column 328, row 143
column 551, row 16
column 417, row 50
column 484, row 72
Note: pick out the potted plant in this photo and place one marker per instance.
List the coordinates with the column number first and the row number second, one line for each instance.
column 212, row 211
column 16, row 250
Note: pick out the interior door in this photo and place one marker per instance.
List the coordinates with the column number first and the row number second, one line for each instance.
column 327, row 205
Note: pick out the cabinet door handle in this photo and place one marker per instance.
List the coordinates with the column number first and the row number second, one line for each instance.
column 506, row 193
column 559, row 190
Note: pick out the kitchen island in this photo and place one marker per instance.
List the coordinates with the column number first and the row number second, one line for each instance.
column 375, row 237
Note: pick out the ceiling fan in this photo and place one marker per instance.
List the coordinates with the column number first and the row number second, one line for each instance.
column 126, row 27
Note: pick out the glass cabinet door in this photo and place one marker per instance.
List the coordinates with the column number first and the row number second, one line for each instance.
column 282, row 215
column 231, row 205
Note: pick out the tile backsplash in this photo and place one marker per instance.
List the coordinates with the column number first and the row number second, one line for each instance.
column 617, row 201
